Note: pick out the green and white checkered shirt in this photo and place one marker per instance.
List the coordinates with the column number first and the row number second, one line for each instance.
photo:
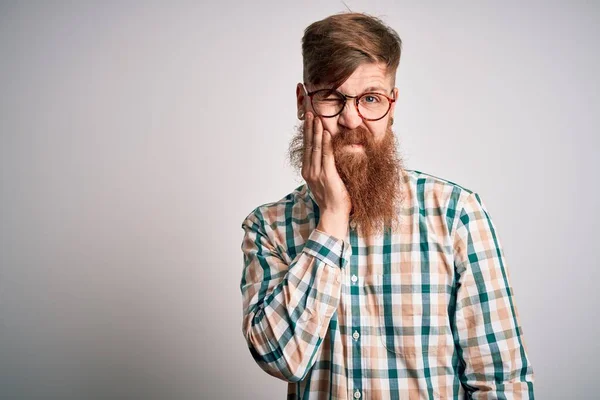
column 424, row 313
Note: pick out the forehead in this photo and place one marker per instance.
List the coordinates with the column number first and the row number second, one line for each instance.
column 366, row 77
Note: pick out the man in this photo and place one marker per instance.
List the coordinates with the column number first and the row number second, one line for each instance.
column 372, row 281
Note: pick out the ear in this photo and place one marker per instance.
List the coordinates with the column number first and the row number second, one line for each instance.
column 393, row 109
column 300, row 98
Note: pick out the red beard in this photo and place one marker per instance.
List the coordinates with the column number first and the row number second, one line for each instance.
column 371, row 175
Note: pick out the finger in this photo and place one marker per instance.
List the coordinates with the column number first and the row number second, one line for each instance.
column 308, row 143
column 317, row 147
column 328, row 162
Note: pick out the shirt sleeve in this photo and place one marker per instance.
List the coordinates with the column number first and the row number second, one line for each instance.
column 287, row 308
column 487, row 331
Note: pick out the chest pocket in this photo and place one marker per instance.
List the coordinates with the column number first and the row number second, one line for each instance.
column 412, row 312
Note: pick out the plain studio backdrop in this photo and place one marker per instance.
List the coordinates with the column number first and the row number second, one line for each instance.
column 135, row 137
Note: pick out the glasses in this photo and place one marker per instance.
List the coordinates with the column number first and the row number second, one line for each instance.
column 371, row 106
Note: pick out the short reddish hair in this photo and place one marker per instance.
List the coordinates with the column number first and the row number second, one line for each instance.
column 334, row 47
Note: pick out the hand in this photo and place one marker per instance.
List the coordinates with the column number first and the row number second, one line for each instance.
column 320, row 173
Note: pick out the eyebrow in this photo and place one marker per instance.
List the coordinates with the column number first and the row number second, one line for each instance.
column 375, row 88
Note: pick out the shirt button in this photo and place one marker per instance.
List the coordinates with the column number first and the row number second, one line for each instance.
column 356, row 335
column 354, row 278
column 357, row 394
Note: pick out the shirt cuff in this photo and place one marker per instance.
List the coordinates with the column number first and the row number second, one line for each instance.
column 329, row 249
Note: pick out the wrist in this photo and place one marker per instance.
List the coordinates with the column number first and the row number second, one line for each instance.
column 334, row 224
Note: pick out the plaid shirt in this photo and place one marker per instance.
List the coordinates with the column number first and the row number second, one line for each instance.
column 424, row 313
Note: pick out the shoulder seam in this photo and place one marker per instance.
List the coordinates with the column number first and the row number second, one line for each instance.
column 460, row 209
column 284, row 200
column 442, row 180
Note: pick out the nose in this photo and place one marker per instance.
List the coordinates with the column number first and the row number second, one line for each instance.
column 349, row 116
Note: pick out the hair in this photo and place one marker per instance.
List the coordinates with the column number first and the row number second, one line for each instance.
column 334, row 47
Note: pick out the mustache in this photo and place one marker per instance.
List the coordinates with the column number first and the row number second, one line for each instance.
column 360, row 135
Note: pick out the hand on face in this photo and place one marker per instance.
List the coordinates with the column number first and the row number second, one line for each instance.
column 319, row 170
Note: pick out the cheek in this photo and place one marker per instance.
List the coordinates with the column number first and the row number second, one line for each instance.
column 378, row 129
column 329, row 125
